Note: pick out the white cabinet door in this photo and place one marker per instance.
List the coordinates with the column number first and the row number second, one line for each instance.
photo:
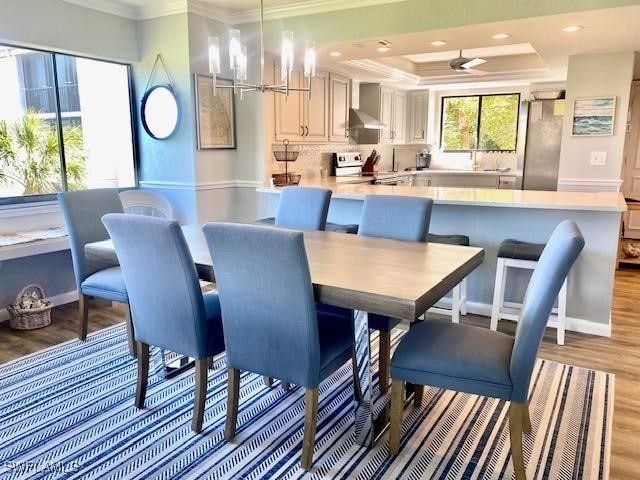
column 338, row 108
column 399, row 116
column 386, row 113
column 417, row 116
column 465, row 181
column 422, row 181
column 289, row 121
column 316, row 108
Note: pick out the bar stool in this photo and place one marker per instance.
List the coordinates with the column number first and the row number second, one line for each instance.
column 524, row 255
column 459, row 292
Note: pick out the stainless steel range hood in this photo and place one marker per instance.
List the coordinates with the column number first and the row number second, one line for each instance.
column 360, row 119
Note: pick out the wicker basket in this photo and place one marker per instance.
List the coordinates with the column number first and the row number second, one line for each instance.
column 286, row 179
column 31, row 309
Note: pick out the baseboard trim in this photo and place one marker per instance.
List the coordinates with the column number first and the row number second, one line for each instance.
column 59, row 299
column 579, row 325
column 589, row 184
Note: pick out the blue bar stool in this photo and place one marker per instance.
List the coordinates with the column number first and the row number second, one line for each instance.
column 523, row 255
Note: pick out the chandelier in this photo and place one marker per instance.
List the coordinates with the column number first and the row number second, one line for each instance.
column 238, row 63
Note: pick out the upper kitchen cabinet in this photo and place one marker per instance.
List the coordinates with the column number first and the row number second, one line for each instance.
column 417, row 105
column 300, row 118
column 338, row 108
column 387, row 105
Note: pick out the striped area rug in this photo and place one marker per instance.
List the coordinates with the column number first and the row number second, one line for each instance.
column 67, row 412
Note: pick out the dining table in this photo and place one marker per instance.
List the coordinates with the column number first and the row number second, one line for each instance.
column 366, row 275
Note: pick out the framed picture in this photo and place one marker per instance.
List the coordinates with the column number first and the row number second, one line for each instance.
column 593, row 116
column 215, row 115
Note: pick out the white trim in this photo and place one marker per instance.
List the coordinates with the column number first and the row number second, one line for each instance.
column 25, row 209
column 167, row 185
column 60, row 299
column 37, row 247
column 574, row 324
column 591, row 184
column 203, row 8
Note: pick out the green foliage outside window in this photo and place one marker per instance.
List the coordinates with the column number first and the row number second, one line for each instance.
column 487, row 122
column 30, row 155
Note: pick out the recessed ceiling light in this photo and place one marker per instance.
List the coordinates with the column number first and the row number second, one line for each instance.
column 500, row 36
column 572, row 28
column 335, row 54
column 438, row 43
column 383, row 49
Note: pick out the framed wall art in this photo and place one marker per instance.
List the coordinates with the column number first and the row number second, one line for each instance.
column 593, row 116
column 215, row 115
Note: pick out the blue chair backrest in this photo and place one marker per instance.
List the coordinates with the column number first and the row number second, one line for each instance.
column 266, row 298
column 83, row 211
column 304, row 208
column 396, row 217
column 164, row 293
column 554, row 265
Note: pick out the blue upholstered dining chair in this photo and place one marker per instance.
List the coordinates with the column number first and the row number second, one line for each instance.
column 305, row 208
column 167, row 306
column 83, row 211
column 485, row 362
column 397, row 218
column 271, row 326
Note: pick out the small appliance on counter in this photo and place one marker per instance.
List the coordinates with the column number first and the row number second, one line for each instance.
column 370, row 167
column 347, row 164
column 423, row 159
column 286, row 155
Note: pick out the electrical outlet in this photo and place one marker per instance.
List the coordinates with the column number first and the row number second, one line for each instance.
column 598, row 158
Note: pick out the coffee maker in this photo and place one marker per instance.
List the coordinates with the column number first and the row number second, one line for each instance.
column 423, row 159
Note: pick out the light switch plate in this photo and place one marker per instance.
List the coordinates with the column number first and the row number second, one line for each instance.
column 598, row 158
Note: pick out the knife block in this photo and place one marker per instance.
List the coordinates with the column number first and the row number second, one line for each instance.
column 369, row 168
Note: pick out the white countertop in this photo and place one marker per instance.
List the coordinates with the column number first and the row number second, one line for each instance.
column 437, row 171
column 483, row 197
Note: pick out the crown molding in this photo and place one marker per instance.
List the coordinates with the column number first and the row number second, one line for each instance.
column 389, row 73
column 200, row 7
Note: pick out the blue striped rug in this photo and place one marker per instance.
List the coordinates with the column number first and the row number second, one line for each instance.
column 67, row 412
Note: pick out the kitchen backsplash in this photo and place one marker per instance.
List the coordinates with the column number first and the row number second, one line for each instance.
column 313, row 158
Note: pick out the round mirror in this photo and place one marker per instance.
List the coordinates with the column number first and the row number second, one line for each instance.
column 160, row 112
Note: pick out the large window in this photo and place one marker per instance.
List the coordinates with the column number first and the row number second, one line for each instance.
column 65, row 124
column 480, row 122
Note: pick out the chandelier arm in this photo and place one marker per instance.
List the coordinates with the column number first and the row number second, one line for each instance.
column 261, row 43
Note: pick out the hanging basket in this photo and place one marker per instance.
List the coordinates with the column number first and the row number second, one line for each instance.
column 31, row 310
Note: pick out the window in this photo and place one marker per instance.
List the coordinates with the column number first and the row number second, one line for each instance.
column 480, row 122
column 65, row 124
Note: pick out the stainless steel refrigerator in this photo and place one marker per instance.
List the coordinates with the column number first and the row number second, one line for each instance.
column 542, row 150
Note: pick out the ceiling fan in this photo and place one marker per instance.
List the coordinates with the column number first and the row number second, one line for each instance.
column 463, row 65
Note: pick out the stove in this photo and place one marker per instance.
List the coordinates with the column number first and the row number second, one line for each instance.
column 347, row 164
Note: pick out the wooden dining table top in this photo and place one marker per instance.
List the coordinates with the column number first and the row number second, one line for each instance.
column 387, row 277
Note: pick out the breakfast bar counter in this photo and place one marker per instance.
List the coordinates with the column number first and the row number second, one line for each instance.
column 489, row 216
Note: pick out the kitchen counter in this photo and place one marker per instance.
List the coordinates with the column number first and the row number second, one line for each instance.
column 356, row 188
column 441, row 171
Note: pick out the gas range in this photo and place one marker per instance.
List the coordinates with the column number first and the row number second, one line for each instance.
column 347, row 164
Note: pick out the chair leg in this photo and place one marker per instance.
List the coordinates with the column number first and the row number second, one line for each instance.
column 384, row 360
column 84, row 316
column 515, row 432
column 268, row 381
column 397, row 402
column 233, row 392
column 286, row 386
column 310, row 419
column 455, row 304
column 418, row 394
column 130, row 333
column 498, row 293
column 357, row 388
column 143, row 374
column 200, row 394
column 526, row 419
column 210, row 362
column 463, row 296
column 562, row 312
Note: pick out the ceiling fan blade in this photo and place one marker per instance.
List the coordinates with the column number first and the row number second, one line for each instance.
column 473, row 63
column 474, row 71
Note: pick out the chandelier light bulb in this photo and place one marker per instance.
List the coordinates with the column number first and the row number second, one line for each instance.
column 214, row 55
column 235, row 47
column 310, row 58
column 286, row 54
column 241, row 71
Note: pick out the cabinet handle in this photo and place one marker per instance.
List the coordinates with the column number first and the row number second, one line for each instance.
column 302, row 128
column 422, row 134
column 306, row 134
column 346, row 133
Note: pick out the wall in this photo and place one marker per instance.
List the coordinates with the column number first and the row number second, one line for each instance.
column 592, row 76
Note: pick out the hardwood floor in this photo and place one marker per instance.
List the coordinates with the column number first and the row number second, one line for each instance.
column 619, row 354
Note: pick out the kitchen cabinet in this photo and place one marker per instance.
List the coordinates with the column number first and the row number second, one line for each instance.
column 338, row 108
column 417, row 106
column 422, row 181
column 468, row 181
column 299, row 118
column 387, row 105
